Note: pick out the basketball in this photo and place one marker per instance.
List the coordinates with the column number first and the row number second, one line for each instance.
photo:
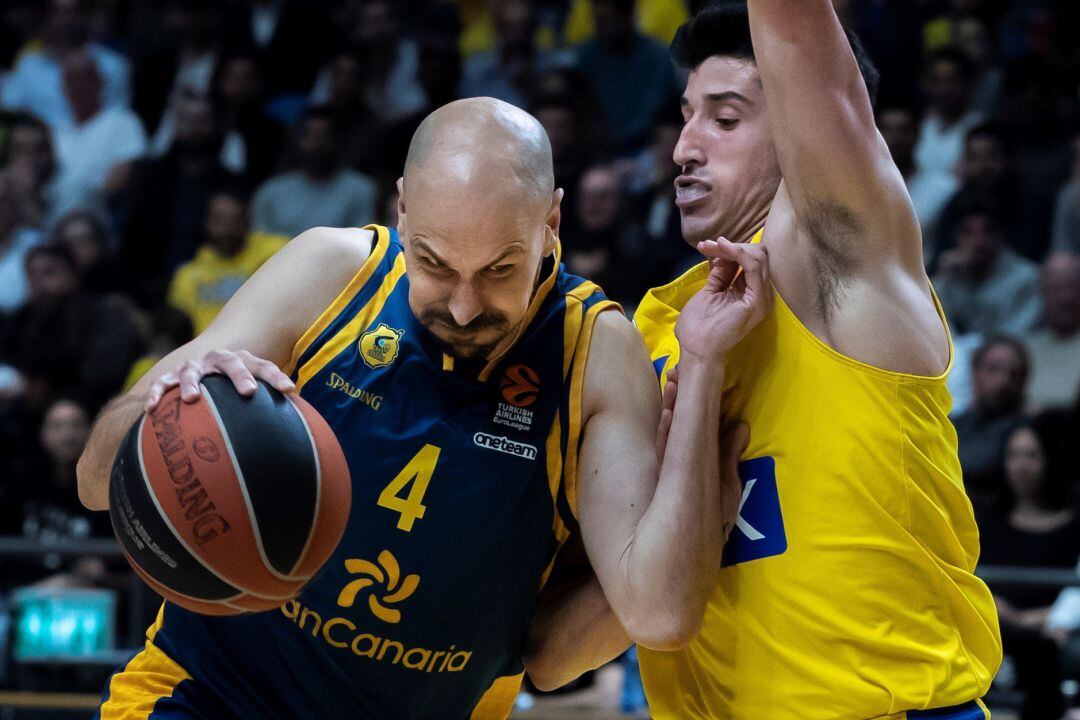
column 229, row 504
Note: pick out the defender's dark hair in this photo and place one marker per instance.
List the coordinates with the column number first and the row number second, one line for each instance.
column 723, row 29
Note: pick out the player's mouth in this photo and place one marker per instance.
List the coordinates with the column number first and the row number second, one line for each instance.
column 690, row 191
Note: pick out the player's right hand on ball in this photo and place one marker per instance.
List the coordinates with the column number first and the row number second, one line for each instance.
column 240, row 366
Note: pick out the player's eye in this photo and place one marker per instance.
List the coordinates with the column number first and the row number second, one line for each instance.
column 727, row 123
column 500, row 270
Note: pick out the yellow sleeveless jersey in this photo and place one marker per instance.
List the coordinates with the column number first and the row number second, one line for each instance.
column 847, row 588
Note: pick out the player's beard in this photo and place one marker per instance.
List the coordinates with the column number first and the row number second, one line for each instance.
column 462, row 347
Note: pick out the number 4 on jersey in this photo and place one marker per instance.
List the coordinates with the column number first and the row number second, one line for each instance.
column 417, row 472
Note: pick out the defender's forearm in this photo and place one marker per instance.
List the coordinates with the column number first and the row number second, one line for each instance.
column 674, row 558
column 571, row 632
column 95, row 463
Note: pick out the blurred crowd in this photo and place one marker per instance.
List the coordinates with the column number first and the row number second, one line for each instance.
column 153, row 153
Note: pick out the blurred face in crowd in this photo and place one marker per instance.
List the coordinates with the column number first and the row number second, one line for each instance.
column 613, row 21
column 984, row 160
column 9, row 209
column 66, row 26
column 948, row 89
column 477, row 219
column 1060, row 288
column 29, row 145
column 515, row 26
column 730, row 172
column 318, row 146
column 64, row 431
column 196, row 126
column 226, row 223
column 346, row 81
column 80, row 236
column 979, row 237
column 82, row 86
column 1025, row 464
column 599, row 199
column 240, row 84
column 377, row 24
column 897, row 126
column 972, row 37
column 49, row 279
column 563, row 129
column 998, row 379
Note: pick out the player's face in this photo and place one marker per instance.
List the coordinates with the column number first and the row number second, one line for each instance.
column 730, row 172
column 473, row 264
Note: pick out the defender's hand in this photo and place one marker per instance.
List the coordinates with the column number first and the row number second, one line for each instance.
column 736, row 296
column 241, row 366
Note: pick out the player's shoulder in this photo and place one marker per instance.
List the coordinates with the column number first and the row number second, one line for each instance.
column 618, row 366
column 339, row 246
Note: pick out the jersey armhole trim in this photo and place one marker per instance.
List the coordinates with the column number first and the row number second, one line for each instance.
column 358, row 281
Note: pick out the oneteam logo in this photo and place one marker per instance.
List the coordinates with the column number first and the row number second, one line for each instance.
column 387, row 573
column 505, row 445
column 379, row 347
column 520, row 385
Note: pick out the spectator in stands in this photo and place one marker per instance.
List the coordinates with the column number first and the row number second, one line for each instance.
column 999, row 378
column 36, row 84
column 50, row 505
column 65, row 341
column 1031, row 115
column 348, row 103
column 320, row 191
column 985, row 174
column 1035, row 528
column 631, row 74
column 230, row 255
column 253, row 140
column 167, row 201
column 30, row 164
column 971, row 35
column 1066, row 229
column 85, row 236
column 929, row 190
column 508, row 71
column 278, row 28
column 169, row 329
column 1055, row 348
column 607, row 247
column 16, row 239
column 392, row 60
column 948, row 116
column 984, row 286
column 95, row 153
column 658, row 19
column 183, row 66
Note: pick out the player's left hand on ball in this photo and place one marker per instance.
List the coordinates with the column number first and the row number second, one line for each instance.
column 736, row 296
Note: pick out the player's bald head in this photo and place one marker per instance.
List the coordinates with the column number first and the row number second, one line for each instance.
column 481, row 145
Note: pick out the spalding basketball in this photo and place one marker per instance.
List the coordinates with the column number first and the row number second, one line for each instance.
column 229, row 504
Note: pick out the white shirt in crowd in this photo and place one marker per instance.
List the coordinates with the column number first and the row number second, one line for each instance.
column 36, row 85
column 87, row 152
column 939, row 148
column 1055, row 370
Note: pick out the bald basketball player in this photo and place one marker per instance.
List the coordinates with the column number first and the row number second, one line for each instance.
column 489, row 404
column 848, row 589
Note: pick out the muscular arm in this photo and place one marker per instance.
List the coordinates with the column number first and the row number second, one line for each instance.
column 265, row 318
column 837, row 170
column 573, row 629
column 655, row 546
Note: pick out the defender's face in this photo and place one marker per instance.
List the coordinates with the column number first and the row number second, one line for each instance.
column 728, row 160
column 473, row 263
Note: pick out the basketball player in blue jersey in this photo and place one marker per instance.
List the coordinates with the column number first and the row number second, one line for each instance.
column 489, row 406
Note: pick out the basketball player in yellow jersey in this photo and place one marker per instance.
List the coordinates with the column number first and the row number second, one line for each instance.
column 847, row 588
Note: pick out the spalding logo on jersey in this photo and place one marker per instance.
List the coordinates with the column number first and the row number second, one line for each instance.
column 759, row 528
column 379, row 347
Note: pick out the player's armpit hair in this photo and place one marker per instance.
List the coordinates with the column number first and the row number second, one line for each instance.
column 833, row 229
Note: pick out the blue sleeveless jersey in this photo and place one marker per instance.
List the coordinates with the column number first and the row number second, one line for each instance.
column 463, row 490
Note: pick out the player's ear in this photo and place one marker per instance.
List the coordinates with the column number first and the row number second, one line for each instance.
column 554, row 218
column 401, row 206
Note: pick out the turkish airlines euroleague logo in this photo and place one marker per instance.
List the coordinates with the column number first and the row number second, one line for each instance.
column 520, row 386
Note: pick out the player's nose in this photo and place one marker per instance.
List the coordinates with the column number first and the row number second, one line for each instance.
column 465, row 304
column 688, row 151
